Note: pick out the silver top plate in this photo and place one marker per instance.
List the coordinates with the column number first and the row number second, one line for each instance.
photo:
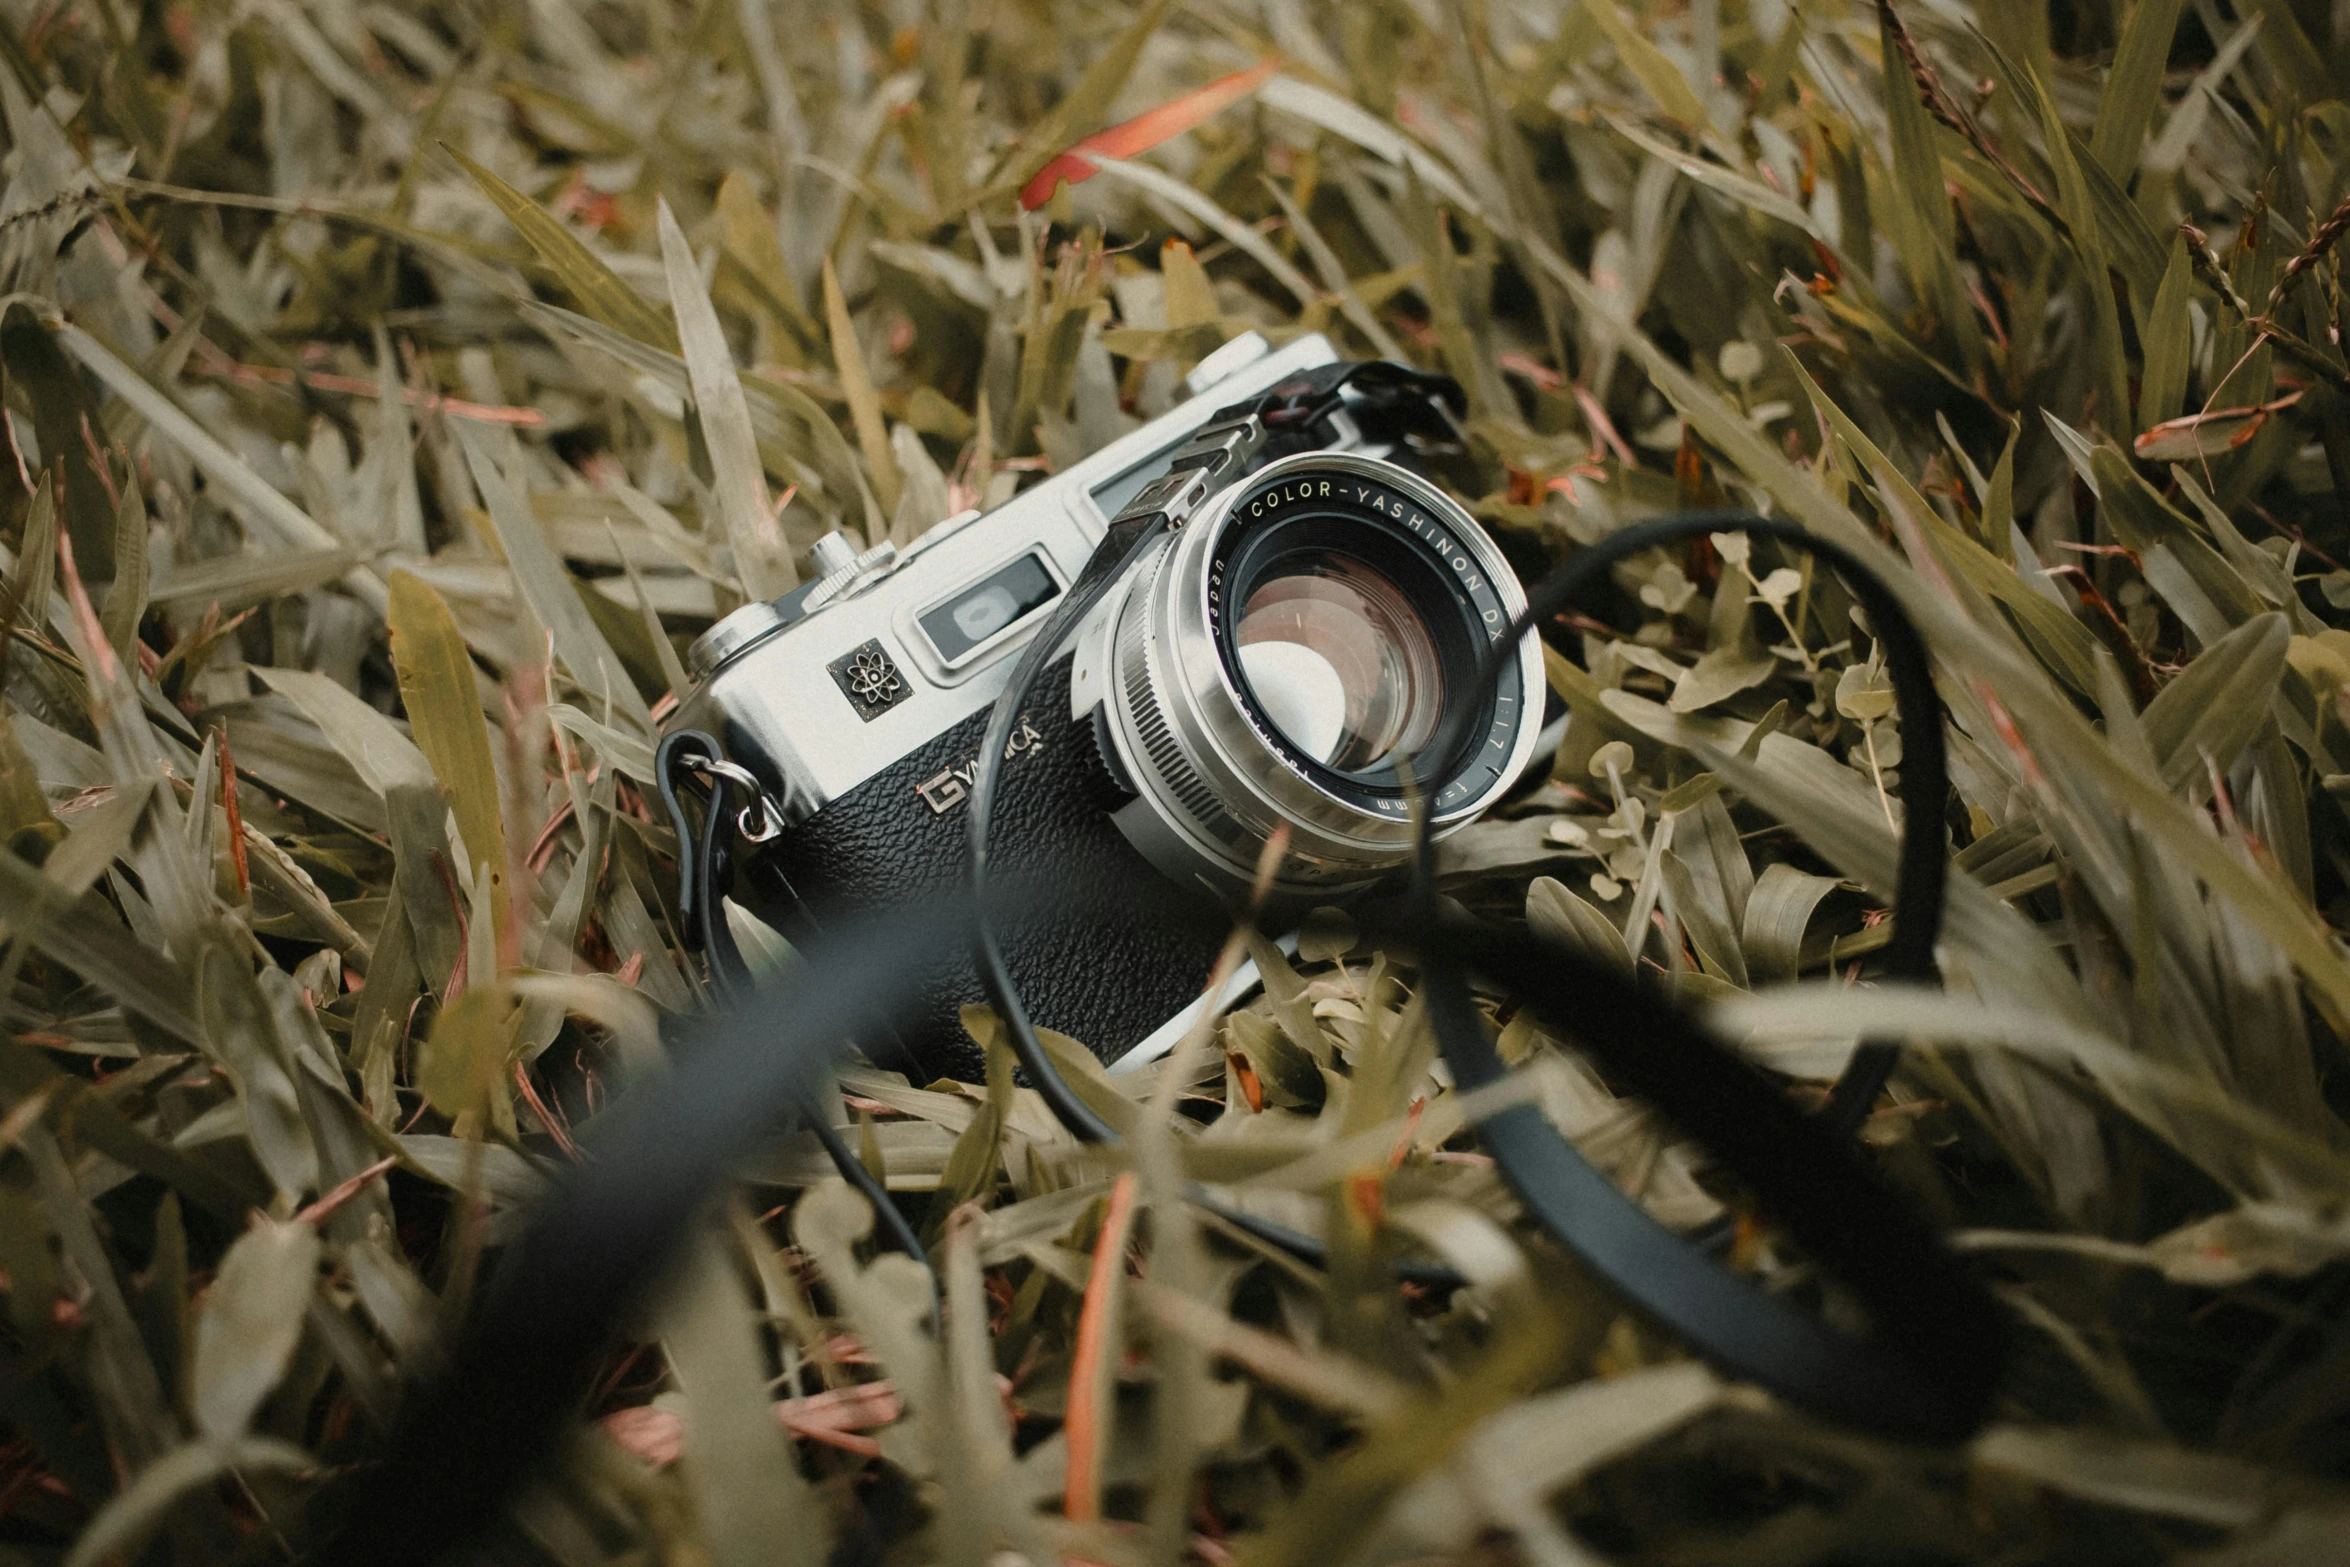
column 823, row 705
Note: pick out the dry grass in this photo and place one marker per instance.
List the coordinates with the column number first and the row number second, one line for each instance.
column 379, row 440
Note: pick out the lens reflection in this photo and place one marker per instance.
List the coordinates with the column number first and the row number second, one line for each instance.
column 1339, row 661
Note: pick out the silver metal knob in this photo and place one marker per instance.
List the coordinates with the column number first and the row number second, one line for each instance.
column 752, row 623
column 851, row 575
column 830, row 553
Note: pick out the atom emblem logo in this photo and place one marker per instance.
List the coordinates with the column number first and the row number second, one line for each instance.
column 871, row 678
column 871, row 682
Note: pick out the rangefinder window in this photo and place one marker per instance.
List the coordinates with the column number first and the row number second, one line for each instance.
column 975, row 616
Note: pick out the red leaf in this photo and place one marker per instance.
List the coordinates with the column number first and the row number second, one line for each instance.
column 2207, row 434
column 236, row 819
column 1146, row 130
column 1083, row 1425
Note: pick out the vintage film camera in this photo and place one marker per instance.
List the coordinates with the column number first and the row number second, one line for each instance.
column 1283, row 656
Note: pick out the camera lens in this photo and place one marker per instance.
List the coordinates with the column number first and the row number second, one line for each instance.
column 1339, row 661
column 1287, row 658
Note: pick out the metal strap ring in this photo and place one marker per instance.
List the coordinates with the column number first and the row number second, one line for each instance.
column 719, row 767
column 758, row 820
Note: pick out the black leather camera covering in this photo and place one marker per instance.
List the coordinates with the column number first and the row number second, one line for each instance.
column 1119, row 953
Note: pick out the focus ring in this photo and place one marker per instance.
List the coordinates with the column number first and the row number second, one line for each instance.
column 1169, row 765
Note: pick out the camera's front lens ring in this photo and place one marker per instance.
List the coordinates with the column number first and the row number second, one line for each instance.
column 1276, row 663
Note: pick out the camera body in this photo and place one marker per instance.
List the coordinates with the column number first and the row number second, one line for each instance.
column 1152, row 760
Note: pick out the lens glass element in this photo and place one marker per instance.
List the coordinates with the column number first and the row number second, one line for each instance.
column 1339, row 661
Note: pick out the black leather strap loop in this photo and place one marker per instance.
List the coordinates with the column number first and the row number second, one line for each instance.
column 703, row 872
column 1923, row 873
column 1927, row 1370
column 678, row 753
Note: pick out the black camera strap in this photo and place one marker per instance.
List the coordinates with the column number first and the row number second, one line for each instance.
column 703, row 871
column 1926, row 1368
column 468, row 1435
column 472, row 1429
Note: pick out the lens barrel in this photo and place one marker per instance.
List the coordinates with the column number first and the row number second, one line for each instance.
column 1284, row 658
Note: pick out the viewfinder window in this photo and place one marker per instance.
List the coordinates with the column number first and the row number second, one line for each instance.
column 980, row 611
